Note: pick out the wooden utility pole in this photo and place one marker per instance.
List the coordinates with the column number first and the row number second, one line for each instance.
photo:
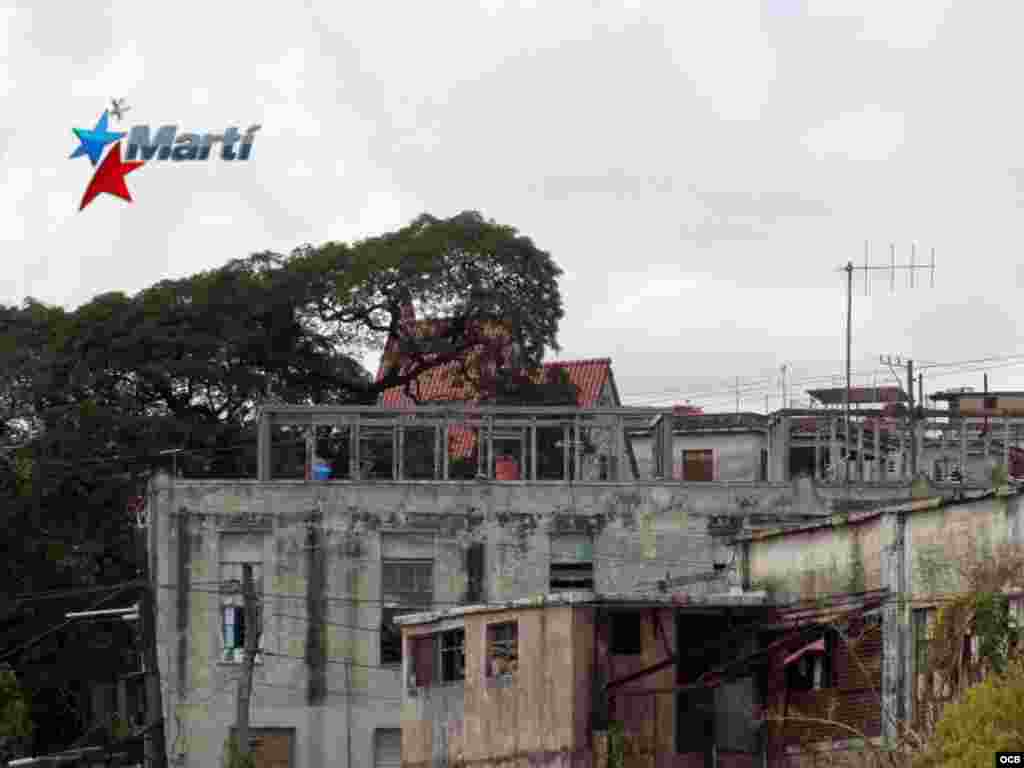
column 245, row 681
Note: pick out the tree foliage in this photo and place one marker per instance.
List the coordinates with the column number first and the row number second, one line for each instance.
column 988, row 719
column 90, row 396
column 15, row 723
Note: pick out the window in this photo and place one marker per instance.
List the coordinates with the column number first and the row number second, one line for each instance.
column 571, row 576
column 627, row 633
column 699, row 465
column 233, row 623
column 810, row 668
column 502, row 649
column 409, row 586
column 438, row 658
column 453, row 656
column 387, row 748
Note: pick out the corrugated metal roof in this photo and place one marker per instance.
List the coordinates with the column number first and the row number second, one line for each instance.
column 837, row 395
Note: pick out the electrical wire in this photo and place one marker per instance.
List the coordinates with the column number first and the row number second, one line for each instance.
column 765, row 384
column 343, row 662
column 58, row 627
column 29, row 597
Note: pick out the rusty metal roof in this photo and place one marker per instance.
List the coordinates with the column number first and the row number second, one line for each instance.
column 584, row 597
column 859, row 395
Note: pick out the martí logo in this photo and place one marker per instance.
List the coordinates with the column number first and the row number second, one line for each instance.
column 165, row 144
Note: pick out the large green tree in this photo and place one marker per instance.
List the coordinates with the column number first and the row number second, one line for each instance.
column 89, row 396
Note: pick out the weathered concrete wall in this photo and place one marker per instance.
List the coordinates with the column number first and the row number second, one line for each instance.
column 819, row 562
column 942, row 542
column 920, row 550
column 737, row 455
column 851, row 556
column 638, row 533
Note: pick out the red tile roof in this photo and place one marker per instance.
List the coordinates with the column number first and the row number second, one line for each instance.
column 441, row 385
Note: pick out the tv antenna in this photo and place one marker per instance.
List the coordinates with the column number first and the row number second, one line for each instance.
column 849, row 269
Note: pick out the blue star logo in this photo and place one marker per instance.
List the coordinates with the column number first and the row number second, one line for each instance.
column 93, row 142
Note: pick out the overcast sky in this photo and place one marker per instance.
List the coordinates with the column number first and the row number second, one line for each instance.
column 699, row 170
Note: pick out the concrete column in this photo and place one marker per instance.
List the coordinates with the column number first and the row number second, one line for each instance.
column 263, row 453
column 895, row 646
column 355, row 468
column 879, row 459
column 963, row 448
column 781, row 447
column 919, row 438
column 834, row 449
column 1006, row 442
column 533, row 449
column 860, row 452
column 817, row 450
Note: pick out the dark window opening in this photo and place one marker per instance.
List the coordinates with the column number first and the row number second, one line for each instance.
column 571, row 576
column 424, row 652
column 627, row 633
column 764, row 464
column 811, row 670
column 801, row 461
column 453, row 656
column 407, row 587
column 502, row 649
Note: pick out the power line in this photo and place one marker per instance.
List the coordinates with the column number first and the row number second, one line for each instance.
column 337, row 692
column 58, row 627
column 763, row 385
column 29, row 597
column 343, row 662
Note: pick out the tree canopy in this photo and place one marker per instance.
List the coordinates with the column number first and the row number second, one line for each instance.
column 90, row 396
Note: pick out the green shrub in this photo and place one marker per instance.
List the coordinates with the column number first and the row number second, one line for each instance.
column 988, row 719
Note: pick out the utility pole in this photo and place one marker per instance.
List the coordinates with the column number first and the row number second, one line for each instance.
column 245, row 680
column 849, row 269
column 913, row 420
column 846, row 394
column 156, row 743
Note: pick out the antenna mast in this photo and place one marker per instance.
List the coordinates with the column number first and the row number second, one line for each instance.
column 868, row 267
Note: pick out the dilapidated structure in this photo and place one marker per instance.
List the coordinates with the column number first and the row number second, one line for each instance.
column 819, row 649
column 562, row 680
column 901, row 563
column 336, row 561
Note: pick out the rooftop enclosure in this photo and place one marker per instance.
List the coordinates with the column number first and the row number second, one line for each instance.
column 881, row 446
column 558, row 444
column 454, row 443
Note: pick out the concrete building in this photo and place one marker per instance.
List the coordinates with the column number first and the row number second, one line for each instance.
column 337, row 561
column 958, row 447
column 828, row 622
column 709, row 447
column 910, row 558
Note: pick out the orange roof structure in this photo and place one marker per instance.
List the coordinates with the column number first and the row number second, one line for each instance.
column 443, row 385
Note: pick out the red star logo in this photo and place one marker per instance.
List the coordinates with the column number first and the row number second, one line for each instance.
column 109, row 177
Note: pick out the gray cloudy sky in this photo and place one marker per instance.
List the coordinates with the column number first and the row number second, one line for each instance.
column 699, row 170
